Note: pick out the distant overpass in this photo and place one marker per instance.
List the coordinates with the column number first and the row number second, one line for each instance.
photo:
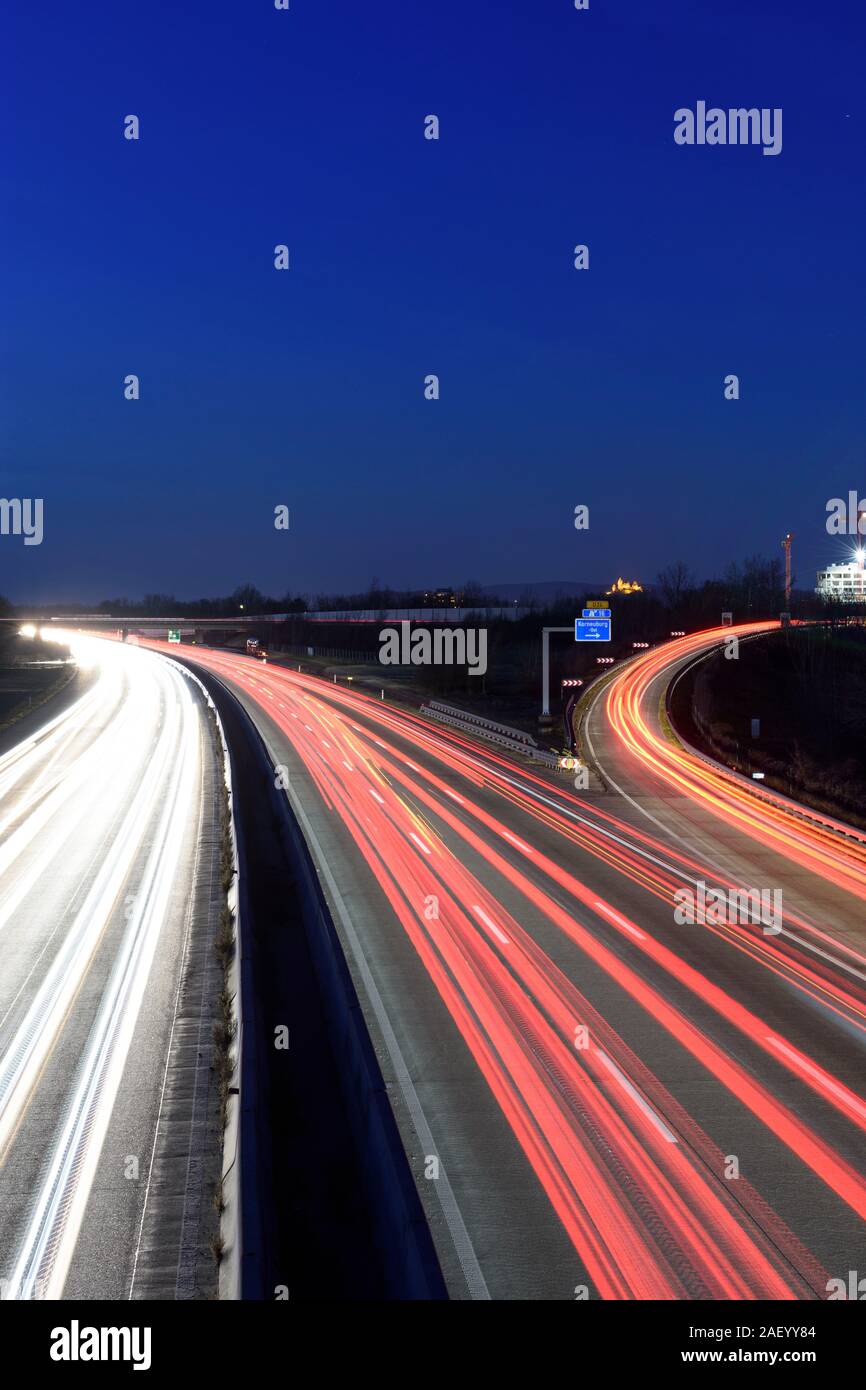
column 362, row 615
column 100, row 620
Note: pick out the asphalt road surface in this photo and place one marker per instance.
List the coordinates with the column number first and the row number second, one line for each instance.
column 101, row 821
column 598, row 1099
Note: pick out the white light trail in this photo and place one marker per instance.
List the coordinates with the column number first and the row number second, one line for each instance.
column 137, row 781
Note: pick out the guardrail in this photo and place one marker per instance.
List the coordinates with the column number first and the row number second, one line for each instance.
column 518, row 735
column 513, row 739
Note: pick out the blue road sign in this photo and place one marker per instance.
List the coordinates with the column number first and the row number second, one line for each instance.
column 596, row 613
column 592, row 630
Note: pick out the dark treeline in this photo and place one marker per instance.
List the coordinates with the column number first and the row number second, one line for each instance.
column 250, row 600
column 246, row 599
column 468, row 595
column 752, row 589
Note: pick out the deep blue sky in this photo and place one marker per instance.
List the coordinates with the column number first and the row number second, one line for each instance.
column 410, row 257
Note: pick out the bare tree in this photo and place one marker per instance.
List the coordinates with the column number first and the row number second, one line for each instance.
column 674, row 582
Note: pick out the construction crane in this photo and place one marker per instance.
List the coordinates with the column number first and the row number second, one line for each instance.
column 786, row 546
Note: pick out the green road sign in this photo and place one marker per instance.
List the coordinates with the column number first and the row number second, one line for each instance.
column 174, row 634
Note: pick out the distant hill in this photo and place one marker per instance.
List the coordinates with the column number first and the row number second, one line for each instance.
column 546, row 589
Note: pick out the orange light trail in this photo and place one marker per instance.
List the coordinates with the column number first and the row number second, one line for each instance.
column 828, row 848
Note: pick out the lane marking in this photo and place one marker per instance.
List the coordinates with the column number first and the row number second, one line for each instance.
column 654, row 1118
column 420, row 843
column 826, row 1082
column 170, row 1053
column 609, row 912
column 490, row 924
column 519, row 843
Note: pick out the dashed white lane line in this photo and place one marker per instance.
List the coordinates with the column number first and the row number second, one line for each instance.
column 490, row 924
column 419, row 842
column 627, row 926
column 826, row 1082
column 636, row 1096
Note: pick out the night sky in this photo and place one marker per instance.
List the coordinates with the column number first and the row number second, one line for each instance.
column 411, row 257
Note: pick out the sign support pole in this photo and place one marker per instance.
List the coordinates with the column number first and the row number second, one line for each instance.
column 545, row 667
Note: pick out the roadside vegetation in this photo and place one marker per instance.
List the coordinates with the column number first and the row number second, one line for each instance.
column 807, row 686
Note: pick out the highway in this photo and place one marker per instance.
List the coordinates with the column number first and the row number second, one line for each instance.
column 101, row 816
column 598, row 1100
column 832, row 852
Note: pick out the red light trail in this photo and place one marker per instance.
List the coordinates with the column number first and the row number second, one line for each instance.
column 636, row 1181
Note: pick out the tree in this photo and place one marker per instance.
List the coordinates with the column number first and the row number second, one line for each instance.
column 248, row 598
column 674, row 582
column 160, row 605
